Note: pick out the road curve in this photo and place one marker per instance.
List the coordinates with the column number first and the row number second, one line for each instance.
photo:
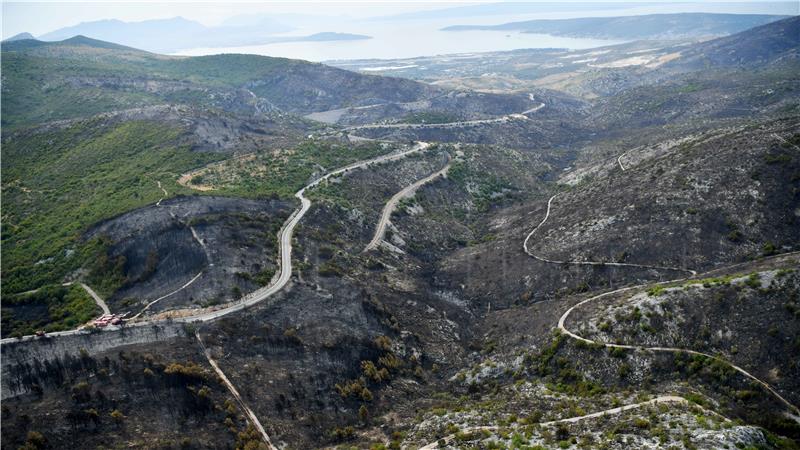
column 386, row 214
column 606, row 412
column 285, row 248
column 252, row 418
column 563, row 318
column 619, row 161
column 562, row 327
column 587, row 263
column 285, row 238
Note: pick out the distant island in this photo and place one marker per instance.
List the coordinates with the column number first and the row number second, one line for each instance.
column 652, row 26
column 177, row 33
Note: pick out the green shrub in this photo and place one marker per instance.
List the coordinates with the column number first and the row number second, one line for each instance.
column 617, row 352
column 655, row 291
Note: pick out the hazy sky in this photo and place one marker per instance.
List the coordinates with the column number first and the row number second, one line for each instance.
column 41, row 17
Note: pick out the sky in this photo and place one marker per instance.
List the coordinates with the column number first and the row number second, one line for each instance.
column 41, row 17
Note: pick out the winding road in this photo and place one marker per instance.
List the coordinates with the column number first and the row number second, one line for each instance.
column 285, row 248
column 607, row 412
column 285, row 239
column 563, row 318
column 587, row 263
column 286, row 233
column 448, row 125
column 619, row 161
column 386, row 214
column 562, row 327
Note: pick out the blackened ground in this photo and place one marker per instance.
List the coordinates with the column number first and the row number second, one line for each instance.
column 155, row 396
column 234, row 249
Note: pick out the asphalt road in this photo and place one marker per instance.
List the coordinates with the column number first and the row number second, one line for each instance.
column 446, row 125
column 285, row 239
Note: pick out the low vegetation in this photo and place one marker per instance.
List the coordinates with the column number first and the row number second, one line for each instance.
column 281, row 173
column 51, row 308
column 58, row 183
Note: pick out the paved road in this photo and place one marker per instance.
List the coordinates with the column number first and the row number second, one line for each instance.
column 607, row 412
column 587, row 263
column 386, row 214
column 446, row 125
column 285, row 240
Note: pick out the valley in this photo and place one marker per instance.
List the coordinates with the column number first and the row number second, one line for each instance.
column 528, row 249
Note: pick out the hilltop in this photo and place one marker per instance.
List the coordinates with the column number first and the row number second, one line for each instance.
column 599, row 249
column 19, row 37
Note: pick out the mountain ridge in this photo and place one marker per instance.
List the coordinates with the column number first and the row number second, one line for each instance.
column 177, row 33
column 649, row 26
column 522, row 299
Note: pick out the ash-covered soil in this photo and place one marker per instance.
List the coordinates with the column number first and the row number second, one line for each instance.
column 700, row 205
column 749, row 318
column 230, row 243
column 148, row 396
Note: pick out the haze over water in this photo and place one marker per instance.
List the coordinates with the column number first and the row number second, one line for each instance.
column 393, row 38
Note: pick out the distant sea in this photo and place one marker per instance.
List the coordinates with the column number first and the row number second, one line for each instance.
column 397, row 39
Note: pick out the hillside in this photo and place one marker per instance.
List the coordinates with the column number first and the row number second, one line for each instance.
column 93, row 96
column 609, row 70
column 84, row 76
column 311, row 257
column 653, row 26
column 767, row 44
